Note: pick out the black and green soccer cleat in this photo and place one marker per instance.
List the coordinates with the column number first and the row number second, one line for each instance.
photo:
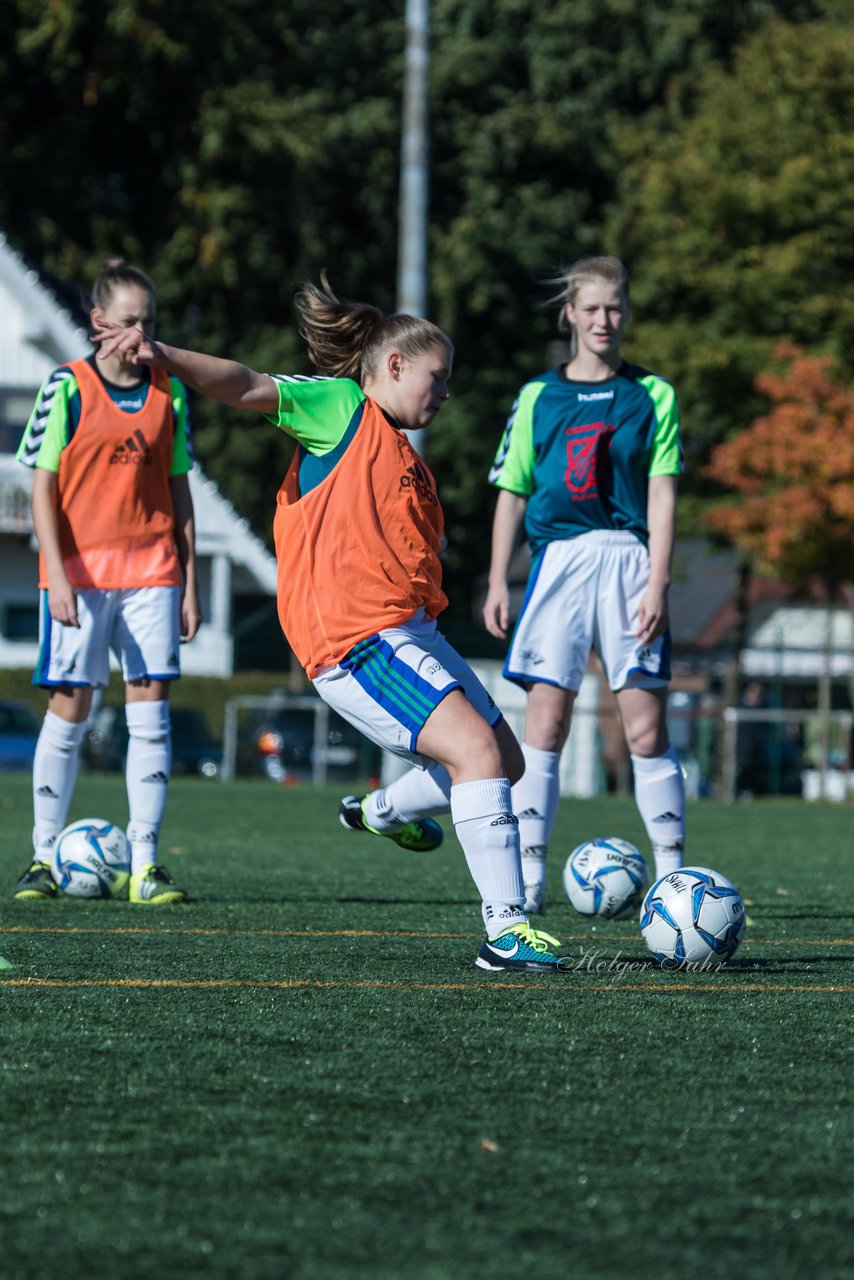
column 420, row 836
column 154, row 887
column 36, row 884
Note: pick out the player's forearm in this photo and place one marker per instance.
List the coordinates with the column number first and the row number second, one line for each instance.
column 46, row 524
column 228, row 381
column 506, row 527
column 185, row 528
column 661, row 520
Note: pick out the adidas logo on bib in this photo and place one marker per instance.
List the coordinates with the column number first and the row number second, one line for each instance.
column 417, row 477
column 134, row 452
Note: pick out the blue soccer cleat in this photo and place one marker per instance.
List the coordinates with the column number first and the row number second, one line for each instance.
column 520, row 947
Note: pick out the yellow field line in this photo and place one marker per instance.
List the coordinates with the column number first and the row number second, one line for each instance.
column 296, row 983
column 378, row 933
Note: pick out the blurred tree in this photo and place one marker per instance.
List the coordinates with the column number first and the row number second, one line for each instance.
column 233, row 148
column 793, row 472
column 736, row 211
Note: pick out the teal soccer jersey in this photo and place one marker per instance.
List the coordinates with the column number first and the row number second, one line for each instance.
column 582, row 453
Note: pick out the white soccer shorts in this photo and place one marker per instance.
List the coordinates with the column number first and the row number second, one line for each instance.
column 584, row 593
column 389, row 684
column 141, row 625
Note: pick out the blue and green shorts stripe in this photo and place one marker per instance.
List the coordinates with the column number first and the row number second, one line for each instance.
column 393, row 685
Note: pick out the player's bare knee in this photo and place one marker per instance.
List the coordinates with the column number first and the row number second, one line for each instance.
column 647, row 742
column 476, row 756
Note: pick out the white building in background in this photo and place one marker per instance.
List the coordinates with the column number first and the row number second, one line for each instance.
column 36, row 335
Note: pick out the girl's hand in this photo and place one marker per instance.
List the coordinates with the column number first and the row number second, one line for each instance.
column 191, row 616
column 496, row 611
column 62, row 603
column 129, row 341
column 652, row 614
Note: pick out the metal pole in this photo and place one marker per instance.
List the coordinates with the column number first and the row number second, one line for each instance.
column 414, row 180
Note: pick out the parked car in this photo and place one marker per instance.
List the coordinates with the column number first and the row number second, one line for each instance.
column 194, row 749
column 280, row 744
column 19, row 733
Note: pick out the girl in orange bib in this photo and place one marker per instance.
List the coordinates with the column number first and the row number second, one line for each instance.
column 113, row 515
column 358, row 530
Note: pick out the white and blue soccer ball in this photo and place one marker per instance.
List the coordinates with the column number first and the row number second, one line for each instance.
column 605, row 878
column 91, row 859
column 692, row 917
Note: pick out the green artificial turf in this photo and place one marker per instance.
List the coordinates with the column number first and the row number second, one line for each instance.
column 300, row 1074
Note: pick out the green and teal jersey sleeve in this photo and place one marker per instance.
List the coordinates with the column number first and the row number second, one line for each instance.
column 514, row 463
column 317, row 411
column 49, row 428
column 322, row 415
column 666, row 454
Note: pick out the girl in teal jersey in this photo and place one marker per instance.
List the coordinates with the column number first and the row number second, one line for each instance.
column 588, row 463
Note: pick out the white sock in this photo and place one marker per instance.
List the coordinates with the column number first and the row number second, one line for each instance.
column 419, row 793
column 489, row 834
column 536, row 797
column 54, row 775
column 660, row 797
column 147, row 774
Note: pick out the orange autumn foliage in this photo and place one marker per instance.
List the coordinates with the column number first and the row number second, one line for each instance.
column 793, row 472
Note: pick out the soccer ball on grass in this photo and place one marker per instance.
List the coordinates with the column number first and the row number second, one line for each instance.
column 605, row 878
column 692, row 917
column 91, row 859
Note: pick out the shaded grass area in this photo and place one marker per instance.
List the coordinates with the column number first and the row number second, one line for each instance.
column 381, row 1107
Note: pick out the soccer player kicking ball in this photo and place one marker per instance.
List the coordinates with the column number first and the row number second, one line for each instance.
column 357, row 530
column 589, row 462
column 114, row 520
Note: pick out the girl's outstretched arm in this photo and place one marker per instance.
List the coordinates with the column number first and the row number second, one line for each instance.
column 226, row 380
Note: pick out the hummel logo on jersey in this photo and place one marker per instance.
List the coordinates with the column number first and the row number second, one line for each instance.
column 134, row 452
column 596, row 395
column 668, row 817
column 47, row 793
column 505, row 820
column 159, row 776
column 417, row 477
